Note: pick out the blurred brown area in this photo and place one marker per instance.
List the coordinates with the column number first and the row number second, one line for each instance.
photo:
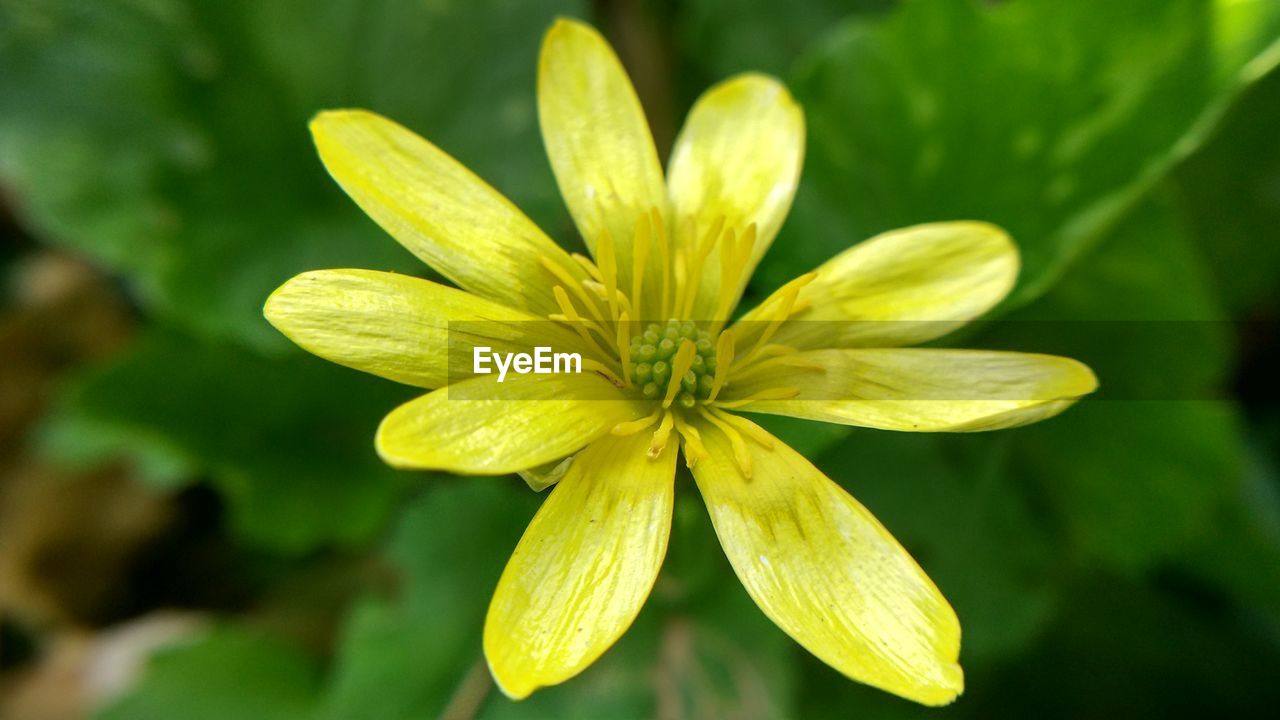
column 69, row 537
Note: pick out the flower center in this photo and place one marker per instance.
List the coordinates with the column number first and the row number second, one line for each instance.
column 680, row 365
column 653, row 356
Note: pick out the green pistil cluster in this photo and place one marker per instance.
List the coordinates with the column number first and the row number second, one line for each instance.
column 653, row 351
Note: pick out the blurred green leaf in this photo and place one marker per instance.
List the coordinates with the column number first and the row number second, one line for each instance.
column 724, row 37
column 168, row 138
column 404, row 656
column 229, row 673
column 1049, row 118
column 1136, row 477
column 289, row 442
column 1231, row 193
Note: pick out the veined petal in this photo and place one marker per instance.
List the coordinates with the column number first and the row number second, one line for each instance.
column 597, row 137
column 490, row 428
column 920, row 389
column 584, row 566
column 822, row 568
column 397, row 326
column 903, row 287
column 438, row 209
column 738, row 156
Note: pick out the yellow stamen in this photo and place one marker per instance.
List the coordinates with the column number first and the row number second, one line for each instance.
column 724, row 358
column 661, row 435
column 639, row 258
column 600, row 291
column 734, row 257
column 772, row 356
column 587, row 265
column 748, row 428
column 740, row 451
column 634, row 426
column 599, row 367
column 570, row 282
column 778, row 393
column 694, row 450
column 680, row 365
column 576, row 321
column 664, row 253
column 624, row 347
column 695, row 260
column 608, row 266
column 777, row 309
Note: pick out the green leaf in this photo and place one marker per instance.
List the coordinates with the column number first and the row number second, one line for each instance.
column 288, row 442
column 1051, row 119
column 1136, row 473
column 405, row 656
column 168, row 138
column 724, row 37
column 1231, row 193
column 229, row 673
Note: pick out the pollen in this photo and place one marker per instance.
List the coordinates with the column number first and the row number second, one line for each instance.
column 655, row 358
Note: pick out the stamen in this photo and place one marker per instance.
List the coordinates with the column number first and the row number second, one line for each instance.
column 634, row 426
column 639, row 258
column 750, row 429
column 608, row 258
column 624, row 347
column 775, row 355
column 600, row 292
column 600, row 368
column 576, row 321
column 734, row 258
column 740, row 451
column 694, row 450
column 680, row 365
column 570, row 282
column 724, row 358
column 777, row 308
column 778, row 393
column 695, row 260
column 587, row 265
column 661, row 435
column 664, row 253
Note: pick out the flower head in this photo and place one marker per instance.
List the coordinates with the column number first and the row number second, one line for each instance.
column 667, row 372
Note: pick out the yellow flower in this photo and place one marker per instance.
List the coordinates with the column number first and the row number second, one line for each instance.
column 827, row 346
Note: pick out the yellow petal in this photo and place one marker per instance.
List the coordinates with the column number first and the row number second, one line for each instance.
column 822, row 568
column 920, row 389
column 399, row 327
column 481, row 426
column 597, row 137
column 584, row 566
column 738, row 157
column 903, row 287
column 438, row 209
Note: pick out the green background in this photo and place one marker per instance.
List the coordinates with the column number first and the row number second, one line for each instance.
column 1122, row 558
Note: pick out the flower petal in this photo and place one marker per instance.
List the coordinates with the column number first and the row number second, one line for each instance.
column 438, row 209
column 738, row 156
column 822, row 568
column 597, row 137
column 397, row 326
column 584, row 566
column 920, row 389
column 481, row 426
column 904, row 287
